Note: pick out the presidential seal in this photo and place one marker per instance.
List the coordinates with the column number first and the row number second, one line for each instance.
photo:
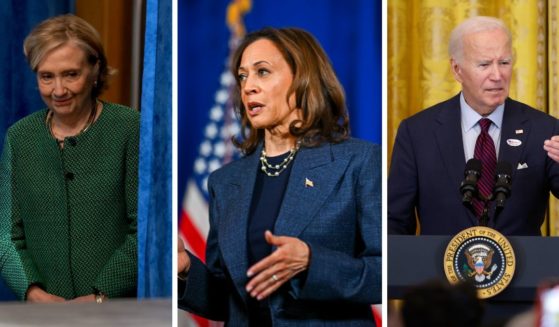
column 483, row 256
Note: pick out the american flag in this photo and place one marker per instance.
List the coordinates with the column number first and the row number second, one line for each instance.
column 215, row 150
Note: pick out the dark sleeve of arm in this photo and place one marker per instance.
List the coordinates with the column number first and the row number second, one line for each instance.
column 553, row 167
column 334, row 275
column 205, row 292
column 402, row 185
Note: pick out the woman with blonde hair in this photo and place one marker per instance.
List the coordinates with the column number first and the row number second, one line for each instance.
column 69, row 182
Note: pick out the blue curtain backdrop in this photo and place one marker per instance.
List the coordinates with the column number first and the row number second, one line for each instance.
column 154, row 196
column 18, row 87
column 349, row 31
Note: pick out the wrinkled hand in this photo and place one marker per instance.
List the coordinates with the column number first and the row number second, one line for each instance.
column 35, row 294
column 182, row 257
column 552, row 148
column 290, row 258
column 85, row 298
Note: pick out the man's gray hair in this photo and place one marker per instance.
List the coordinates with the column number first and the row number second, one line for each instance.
column 470, row 26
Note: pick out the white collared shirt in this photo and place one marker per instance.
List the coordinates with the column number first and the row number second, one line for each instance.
column 470, row 127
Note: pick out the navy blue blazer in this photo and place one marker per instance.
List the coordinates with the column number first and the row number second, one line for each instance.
column 428, row 164
column 339, row 218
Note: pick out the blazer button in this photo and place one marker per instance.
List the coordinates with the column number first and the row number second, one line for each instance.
column 72, row 141
column 69, row 176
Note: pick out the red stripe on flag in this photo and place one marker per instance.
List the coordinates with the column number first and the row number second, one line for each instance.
column 198, row 245
column 194, row 238
column 202, row 322
column 378, row 317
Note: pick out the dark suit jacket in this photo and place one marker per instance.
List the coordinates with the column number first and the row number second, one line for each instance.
column 428, row 166
column 339, row 218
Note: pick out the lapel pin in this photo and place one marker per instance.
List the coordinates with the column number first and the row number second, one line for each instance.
column 514, row 142
column 308, row 183
column 519, row 131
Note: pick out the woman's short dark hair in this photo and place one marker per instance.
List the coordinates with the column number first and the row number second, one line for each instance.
column 318, row 93
column 58, row 31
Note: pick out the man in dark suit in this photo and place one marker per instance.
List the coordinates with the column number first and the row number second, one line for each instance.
column 433, row 146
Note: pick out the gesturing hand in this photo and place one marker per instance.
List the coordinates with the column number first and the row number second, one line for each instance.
column 552, row 148
column 182, row 258
column 290, row 258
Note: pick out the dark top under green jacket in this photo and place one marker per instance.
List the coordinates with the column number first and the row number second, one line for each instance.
column 68, row 216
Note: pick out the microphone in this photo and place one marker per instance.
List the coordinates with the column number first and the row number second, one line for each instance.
column 503, row 179
column 468, row 187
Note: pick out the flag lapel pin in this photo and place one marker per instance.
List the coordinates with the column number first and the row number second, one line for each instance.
column 308, row 183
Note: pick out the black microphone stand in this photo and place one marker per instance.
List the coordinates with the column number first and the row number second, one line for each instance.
column 502, row 188
column 484, row 219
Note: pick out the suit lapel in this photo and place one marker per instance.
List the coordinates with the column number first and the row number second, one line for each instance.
column 312, row 166
column 448, row 136
column 233, row 228
column 313, row 178
column 515, row 131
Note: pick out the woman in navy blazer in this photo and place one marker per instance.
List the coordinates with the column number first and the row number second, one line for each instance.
column 295, row 225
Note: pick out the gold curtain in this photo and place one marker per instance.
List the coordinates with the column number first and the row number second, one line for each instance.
column 419, row 73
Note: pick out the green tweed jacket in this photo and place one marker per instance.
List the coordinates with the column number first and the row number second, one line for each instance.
column 68, row 217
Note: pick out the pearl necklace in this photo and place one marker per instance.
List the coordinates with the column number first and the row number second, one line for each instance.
column 275, row 170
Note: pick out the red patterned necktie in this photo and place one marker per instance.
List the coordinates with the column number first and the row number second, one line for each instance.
column 485, row 152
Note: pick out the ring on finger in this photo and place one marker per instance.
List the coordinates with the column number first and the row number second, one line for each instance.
column 275, row 278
